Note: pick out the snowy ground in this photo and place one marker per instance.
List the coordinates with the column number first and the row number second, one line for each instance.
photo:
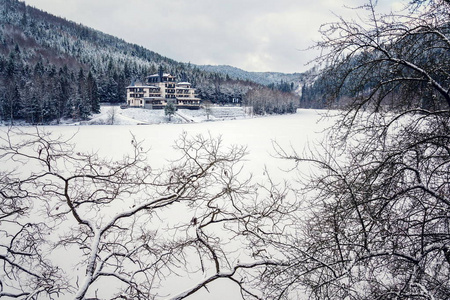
column 114, row 115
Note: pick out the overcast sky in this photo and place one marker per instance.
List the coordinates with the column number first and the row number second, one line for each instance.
column 254, row 35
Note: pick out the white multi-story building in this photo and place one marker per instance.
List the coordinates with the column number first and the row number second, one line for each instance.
column 161, row 89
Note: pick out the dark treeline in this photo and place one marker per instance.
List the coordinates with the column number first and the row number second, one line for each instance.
column 263, row 99
column 42, row 93
column 52, row 68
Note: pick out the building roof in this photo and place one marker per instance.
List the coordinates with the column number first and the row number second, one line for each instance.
column 143, row 86
column 164, row 75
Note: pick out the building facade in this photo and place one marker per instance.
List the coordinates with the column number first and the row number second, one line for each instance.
column 161, row 89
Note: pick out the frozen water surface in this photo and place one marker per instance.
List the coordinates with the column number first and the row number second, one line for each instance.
column 257, row 134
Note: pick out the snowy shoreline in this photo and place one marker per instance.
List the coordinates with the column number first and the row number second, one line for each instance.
column 114, row 115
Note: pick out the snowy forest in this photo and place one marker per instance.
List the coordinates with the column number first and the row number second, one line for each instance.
column 52, row 68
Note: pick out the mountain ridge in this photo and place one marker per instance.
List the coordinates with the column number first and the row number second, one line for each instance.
column 265, row 78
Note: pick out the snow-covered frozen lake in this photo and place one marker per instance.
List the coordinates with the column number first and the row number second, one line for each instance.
column 257, row 134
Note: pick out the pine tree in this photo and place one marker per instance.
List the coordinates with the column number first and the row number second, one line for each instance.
column 92, row 93
column 83, row 104
column 170, row 109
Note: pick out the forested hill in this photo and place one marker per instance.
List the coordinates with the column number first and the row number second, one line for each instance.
column 53, row 68
column 265, row 78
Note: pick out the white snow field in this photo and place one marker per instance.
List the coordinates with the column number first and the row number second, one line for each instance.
column 258, row 134
column 133, row 115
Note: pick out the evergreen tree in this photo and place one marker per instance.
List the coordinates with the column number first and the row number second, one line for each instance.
column 109, row 90
column 92, row 93
column 63, row 91
column 170, row 109
column 83, row 105
column 11, row 106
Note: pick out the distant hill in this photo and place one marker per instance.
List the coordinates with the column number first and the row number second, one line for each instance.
column 265, row 78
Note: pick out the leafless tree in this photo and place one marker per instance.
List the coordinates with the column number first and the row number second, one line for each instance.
column 397, row 60
column 376, row 222
column 112, row 114
column 207, row 105
column 79, row 225
column 268, row 101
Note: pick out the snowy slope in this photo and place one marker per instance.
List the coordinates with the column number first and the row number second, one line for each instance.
column 113, row 115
